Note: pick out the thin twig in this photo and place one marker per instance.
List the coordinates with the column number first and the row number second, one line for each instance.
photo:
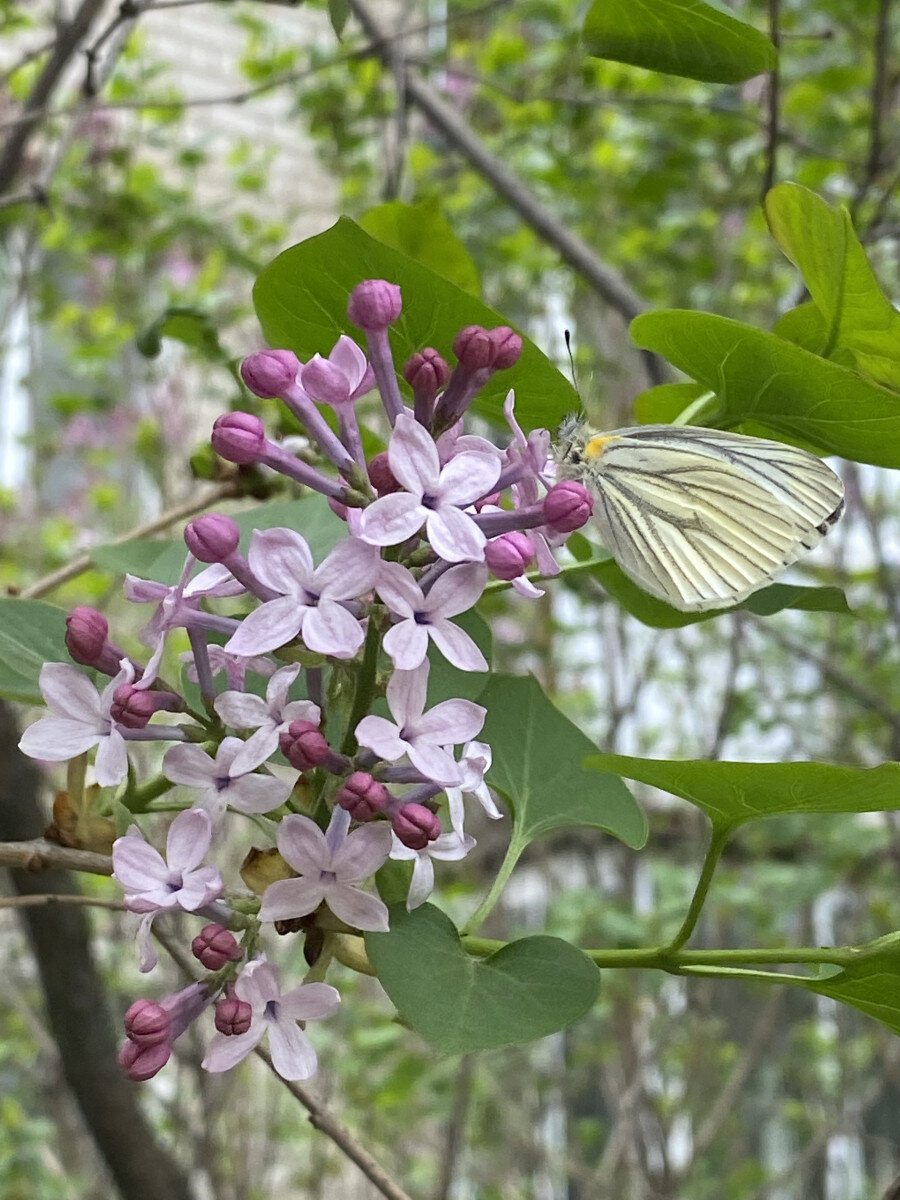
column 773, row 114
column 41, row 855
column 40, row 899
column 604, row 279
column 879, row 106
column 83, row 562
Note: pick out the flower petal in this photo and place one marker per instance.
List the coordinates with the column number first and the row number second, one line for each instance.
column 456, row 646
column 363, row 852
column 281, row 558
column 399, row 590
column 257, row 793
column 190, row 766
column 350, row 360
column 215, row 580
column 188, row 839
column 267, row 627
column 258, row 984
column 144, row 591
column 391, row 519
column 146, row 950
column 310, row 1002
column 280, row 684
column 350, row 570
column 407, row 645
column 330, row 629
column 137, row 866
column 293, row 1056
column 413, row 456
column 451, row 722
column 288, row 898
column 434, row 763
column 242, row 710
column 111, row 763
column 467, row 477
column 357, row 908
column 257, row 748
column 69, row 692
column 55, row 739
column 422, row 883
column 381, row 736
column 454, row 536
column 302, row 844
column 457, row 590
column 224, row 1052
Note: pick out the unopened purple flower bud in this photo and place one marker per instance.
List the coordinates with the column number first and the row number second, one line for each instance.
column 509, row 555
column 133, row 707
column 141, row 1063
column 214, row 946
column 86, row 633
column 147, row 1023
column 567, row 506
column 475, row 348
column 304, row 746
column 381, row 476
column 416, row 826
column 239, row 437
column 362, row 796
column 374, row 304
column 233, row 1016
column 268, row 373
column 507, row 347
column 212, row 538
column 426, row 371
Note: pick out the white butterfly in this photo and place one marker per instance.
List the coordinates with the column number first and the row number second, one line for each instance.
column 698, row 517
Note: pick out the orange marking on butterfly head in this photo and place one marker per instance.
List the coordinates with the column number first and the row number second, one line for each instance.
column 595, row 446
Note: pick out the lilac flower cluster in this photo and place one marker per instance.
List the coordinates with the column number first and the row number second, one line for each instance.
column 428, row 521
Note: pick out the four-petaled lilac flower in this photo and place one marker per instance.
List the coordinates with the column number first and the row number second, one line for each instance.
column 423, row 736
column 178, row 605
column 434, row 496
column 330, row 866
column 244, row 710
column 220, row 782
column 82, row 720
column 425, row 617
column 475, row 761
column 309, row 597
column 341, row 378
column 275, row 1014
column 449, row 847
column 153, row 883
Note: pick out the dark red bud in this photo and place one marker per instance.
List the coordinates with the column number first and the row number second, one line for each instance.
column 304, row 746
column 239, row 437
column 270, row 372
column 374, row 304
column 416, row 826
column 362, row 796
column 568, row 506
column 214, row 946
column 475, row 348
column 233, row 1016
column 381, row 476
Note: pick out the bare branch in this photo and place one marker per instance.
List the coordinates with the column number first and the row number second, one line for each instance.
column 67, row 43
column 41, row 855
column 41, row 899
column 773, row 103
column 880, row 105
column 83, row 562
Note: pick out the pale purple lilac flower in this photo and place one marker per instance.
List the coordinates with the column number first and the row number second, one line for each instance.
column 330, row 866
column 424, row 617
column 341, row 378
column 153, row 883
column 82, row 720
column 449, row 847
column 475, row 762
column 269, row 717
column 276, row 1014
column 309, row 601
column 179, row 606
column 434, row 496
column 422, row 736
column 221, row 782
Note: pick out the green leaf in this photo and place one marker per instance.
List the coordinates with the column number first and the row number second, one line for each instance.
column 660, row 405
column 338, row 15
column 659, row 615
column 872, row 985
column 422, row 232
column 734, row 792
column 538, row 757
column 31, row 633
column 760, row 377
column 132, row 558
column 191, row 326
column 530, row 988
column 678, row 37
column 822, row 244
column 301, row 302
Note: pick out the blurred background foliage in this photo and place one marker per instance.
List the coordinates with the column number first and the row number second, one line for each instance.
column 132, row 228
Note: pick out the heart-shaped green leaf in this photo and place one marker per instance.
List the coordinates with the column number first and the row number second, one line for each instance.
column 31, row 633
column 301, row 302
column 458, row 1003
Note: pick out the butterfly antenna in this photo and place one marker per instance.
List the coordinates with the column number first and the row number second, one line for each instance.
column 567, row 335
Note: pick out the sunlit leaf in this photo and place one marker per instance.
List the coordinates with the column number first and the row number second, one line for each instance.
column 424, row 233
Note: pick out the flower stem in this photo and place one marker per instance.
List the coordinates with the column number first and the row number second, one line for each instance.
column 720, row 836
column 365, row 687
column 137, row 799
column 513, row 851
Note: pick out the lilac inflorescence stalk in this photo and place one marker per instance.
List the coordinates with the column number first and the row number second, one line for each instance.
column 282, row 730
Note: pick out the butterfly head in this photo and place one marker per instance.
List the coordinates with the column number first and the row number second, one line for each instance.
column 577, row 448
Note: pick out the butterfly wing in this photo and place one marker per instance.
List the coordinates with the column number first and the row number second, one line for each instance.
column 701, row 518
